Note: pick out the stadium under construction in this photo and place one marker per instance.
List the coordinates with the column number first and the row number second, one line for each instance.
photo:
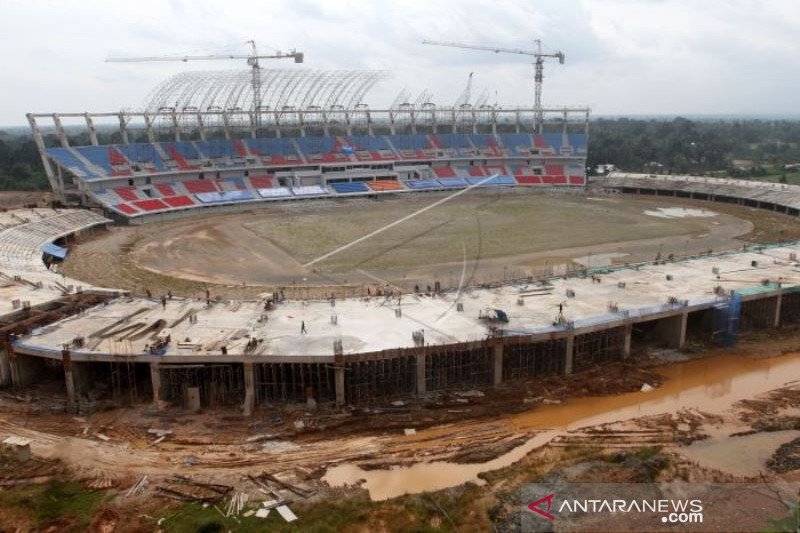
column 311, row 138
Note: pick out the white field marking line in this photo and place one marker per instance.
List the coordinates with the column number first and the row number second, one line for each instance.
column 396, row 222
column 446, row 311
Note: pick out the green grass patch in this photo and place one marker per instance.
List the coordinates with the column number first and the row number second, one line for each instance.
column 53, row 501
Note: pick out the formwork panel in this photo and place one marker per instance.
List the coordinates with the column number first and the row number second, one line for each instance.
column 219, row 385
column 459, row 367
column 597, row 348
column 538, row 359
column 293, row 382
column 758, row 314
column 382, row 379
column 790, row 308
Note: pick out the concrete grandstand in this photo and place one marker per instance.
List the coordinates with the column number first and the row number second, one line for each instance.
column 312, row 137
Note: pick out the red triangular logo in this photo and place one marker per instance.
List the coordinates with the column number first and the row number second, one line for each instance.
column 535, row 506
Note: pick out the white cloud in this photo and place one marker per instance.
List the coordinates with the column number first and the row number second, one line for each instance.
column 623, row 56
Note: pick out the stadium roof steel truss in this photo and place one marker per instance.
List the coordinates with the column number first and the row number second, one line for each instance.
column 280, row 89
column 293, row 102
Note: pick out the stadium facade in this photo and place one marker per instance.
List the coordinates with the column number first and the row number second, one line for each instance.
column 313, row 137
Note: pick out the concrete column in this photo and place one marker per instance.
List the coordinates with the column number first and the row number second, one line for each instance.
column 155, row 379
column 681, row 332
column 422, row 386
column 672, row 330
column 498, row 363
column 249, row 389
column 626, row 349
column 5, row 365
column 338, row 368
column 13, row 364
column 69, row 379
column 778, row 301
column 569, row 353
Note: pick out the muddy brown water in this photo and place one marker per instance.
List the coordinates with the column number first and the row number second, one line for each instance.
column 712, row 384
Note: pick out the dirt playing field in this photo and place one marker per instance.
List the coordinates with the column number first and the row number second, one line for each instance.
column 478, row 237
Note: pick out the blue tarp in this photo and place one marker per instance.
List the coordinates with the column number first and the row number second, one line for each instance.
column 54, row 250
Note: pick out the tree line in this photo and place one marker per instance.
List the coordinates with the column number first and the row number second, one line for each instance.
column 677, row 145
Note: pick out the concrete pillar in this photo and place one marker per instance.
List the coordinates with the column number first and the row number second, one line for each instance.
column 13, row 364
column 672, row 330
column 5, row 365
column 249, row 389
column 778, row 301
column 569, row 353
column 626, row 348
column 681, row 333
column 422, row 386
column 69, row 379
column 498, row 363
column 155, row 379
column 338, row 369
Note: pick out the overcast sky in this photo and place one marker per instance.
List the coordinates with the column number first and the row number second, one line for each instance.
column 623, row 56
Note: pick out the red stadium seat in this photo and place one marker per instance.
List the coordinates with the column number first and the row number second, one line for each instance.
column 261, row 182
column 554, row 170
column 444, row 172
column 179, row 159
column 196, row 186
column 125, row 208
column 240, row 148
column 153, row 204
column 116, row 158
column 529, row 180
column 577, row 180
column 127, row 193
column 178, row 201
column 477, row 171
column 165, row 189
column 554, row 180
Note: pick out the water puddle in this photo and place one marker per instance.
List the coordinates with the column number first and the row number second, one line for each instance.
column 711, row 384
column 745, row 455
column 679, row 212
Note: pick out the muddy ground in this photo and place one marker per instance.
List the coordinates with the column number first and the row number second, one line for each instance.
column 473, row 451
column 499, row 236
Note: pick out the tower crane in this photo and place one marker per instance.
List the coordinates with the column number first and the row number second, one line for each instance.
column 252, row 61
column 538, row 63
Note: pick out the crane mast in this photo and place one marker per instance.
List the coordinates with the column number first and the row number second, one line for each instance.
column 252, row 61
column 538, row 65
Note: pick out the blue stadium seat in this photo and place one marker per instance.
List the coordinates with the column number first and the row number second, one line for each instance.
column 496, row 180
column 186, row 149
column 67, row 159
column 409, row 141
column 578, row 142
column 453, row 182
column 225, row 196
column 554, row 140
column 368, row 143
column 97, row 155
column 349, row 188
column 422, row 184
column 315, row 145
column 142, row 154
column 219, row 148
